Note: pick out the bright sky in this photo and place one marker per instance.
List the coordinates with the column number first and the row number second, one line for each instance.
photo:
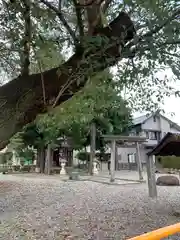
column 171, row 104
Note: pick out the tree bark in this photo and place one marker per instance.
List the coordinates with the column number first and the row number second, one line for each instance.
column 21, row 99
column 41, row 152
column 49, row 159
column 92, row 147
column 38, row 161
column 26, row 41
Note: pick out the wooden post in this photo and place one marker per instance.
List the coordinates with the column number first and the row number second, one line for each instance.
column 92, row 147
column 113, row 158
column 151, row 177
column 139, row 163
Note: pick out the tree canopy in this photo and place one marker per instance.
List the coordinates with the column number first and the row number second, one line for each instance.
column 99, row 102
column 139, row 37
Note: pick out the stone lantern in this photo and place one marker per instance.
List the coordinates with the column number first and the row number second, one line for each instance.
column 62, row 163
column 95, row 169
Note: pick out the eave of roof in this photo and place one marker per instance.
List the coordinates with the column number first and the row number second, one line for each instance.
column 171, row 141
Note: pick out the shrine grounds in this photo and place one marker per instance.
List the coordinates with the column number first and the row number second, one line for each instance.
column 49, row 208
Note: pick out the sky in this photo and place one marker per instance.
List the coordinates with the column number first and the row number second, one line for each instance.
column 171, row 104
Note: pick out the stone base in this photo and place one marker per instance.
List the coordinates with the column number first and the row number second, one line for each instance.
column 95, row 170
column 74, row 176
column 37, row 170
column 63, row 172
column 167, row 180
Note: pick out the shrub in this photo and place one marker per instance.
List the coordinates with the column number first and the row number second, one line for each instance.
column 5, row 157
column 104, row 157
column 170, row 162
column 83, row 156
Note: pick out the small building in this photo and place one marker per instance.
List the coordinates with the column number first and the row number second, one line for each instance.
column 64, row 151
column 153, row 127
column 168, row 146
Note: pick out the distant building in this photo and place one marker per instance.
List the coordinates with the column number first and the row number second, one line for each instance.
column 154, row 127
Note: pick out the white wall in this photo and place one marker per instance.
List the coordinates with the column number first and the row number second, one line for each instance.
column 151, row 125
column 122, row 153
column 164, row 127
column 174, row 130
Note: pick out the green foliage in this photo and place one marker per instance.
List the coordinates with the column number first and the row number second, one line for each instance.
column 102, row 156
column 51, row 43
column 142, row 80
column 16, row 142
column 26, row 154
column 98, row 102
column 5, row 157
column 83, row 156
column 32, row 136
column 170, row 162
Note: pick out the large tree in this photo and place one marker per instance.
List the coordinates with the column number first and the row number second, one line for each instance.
column 98, row 33
column 99, row 102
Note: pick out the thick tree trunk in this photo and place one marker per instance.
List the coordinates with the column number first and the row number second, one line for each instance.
column 41, row 159
column 48, row 164
column 22, row 98
column 49, row 159
column 37, row 169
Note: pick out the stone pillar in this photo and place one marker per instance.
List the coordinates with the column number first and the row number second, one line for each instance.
column 151, row 177
column 113, row 158
column 139, row 162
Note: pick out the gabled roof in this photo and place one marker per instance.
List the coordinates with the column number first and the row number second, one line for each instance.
column 144, row 118
column 141, row 119
column 168, row 146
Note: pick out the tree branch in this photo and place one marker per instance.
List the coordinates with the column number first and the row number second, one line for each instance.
column 79, row 18
column 158, row 28
column 175, row 42
column 21, row 99
column 94, row 16
column 106, row 5
column 134, row 45
column 62, row 19
column 25, row 55
column 89, row 3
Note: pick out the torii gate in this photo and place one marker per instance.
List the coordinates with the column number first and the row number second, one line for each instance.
column 114, row 139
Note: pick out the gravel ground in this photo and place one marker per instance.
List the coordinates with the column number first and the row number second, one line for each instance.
column 50, row 209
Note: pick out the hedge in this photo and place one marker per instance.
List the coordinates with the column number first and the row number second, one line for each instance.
column 170, row 162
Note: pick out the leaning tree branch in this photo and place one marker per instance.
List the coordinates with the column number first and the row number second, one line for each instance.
column 62, row 19
column 21, row 99
column 27, row 38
